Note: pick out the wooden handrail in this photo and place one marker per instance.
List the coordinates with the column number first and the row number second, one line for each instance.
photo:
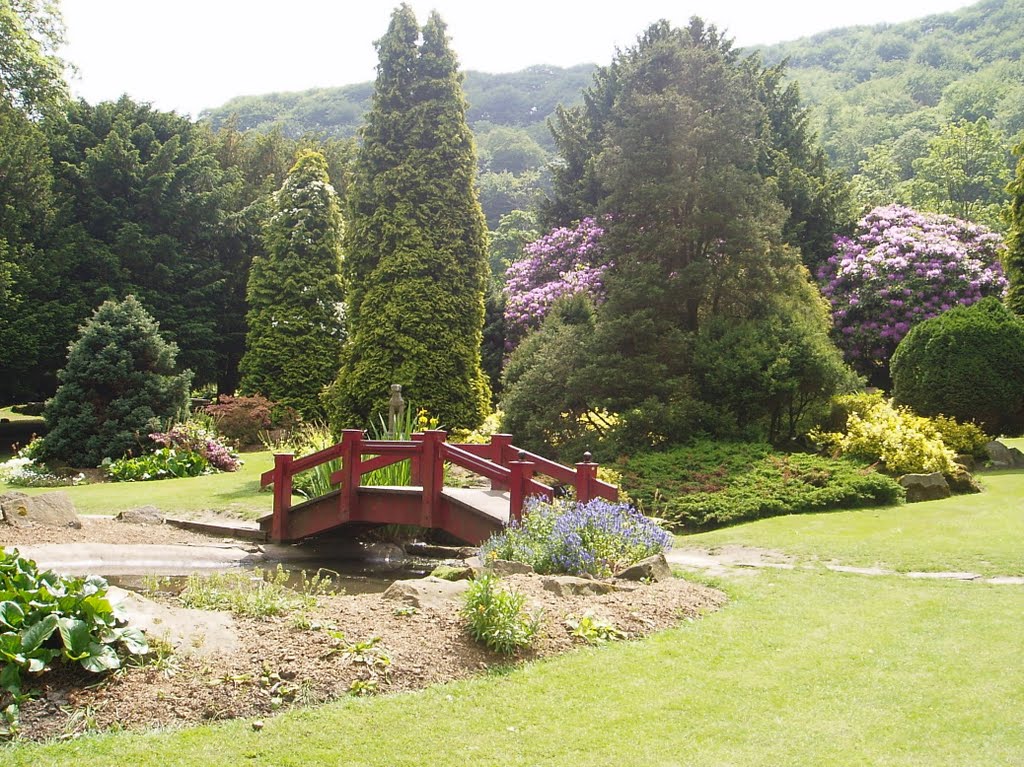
column 461, row 457
column 507, row 467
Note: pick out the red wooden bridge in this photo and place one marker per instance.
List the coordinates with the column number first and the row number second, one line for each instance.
column 469, row 514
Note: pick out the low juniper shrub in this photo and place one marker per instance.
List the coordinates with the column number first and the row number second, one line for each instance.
column 596, row 538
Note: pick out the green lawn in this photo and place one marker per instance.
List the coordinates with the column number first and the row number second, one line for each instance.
column 973, row 533
column 805, row 667
column 6, row 412
column 234, row 493
column 802, row 668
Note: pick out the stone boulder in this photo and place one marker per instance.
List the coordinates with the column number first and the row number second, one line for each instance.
column 925, row 487
column 143, row 515
column 451, row 573
column 428, row 593
column 1002, row 457
column 652, row 569
column 571, row 586
column 50, row 509
column 503, row 567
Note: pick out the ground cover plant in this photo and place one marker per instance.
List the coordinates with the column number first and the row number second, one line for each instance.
column 597, row 538
column 46, row 618
column 707, row 483
column 977, row 533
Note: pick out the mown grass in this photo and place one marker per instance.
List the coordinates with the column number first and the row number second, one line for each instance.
column 234, row 493
column 801, row 668
column 969, row 533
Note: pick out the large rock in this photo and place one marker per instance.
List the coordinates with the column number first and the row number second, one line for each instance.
column 571, row 586
column 1002, row 457
column 428, row 593
column 51, row 509
column 503, row 567
column 652, row 569
column 144, row 515
column 197, row 633
column 925, row 487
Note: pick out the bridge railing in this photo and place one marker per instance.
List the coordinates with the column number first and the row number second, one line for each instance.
column 506, row 466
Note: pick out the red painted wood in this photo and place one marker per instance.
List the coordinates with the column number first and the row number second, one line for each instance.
column 282, row 495
column 499, row 461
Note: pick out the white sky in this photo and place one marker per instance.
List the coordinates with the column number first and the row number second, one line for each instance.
column 188, row 55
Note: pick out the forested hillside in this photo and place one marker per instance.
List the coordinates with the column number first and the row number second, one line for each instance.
column 523, row 99
column 927, row 107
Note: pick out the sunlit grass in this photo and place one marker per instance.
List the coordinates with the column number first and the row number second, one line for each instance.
column 234, row 493
column 801, row 668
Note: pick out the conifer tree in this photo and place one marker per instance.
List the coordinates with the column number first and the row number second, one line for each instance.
column 416, row 251
column 1014, row 261
column 295, row 293
column 120, row 383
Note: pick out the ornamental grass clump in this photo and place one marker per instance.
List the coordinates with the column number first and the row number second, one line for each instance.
column 597, row 538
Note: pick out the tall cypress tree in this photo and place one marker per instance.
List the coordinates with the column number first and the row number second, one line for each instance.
column 416, row 249
column 295, row 333
column 1014, row 260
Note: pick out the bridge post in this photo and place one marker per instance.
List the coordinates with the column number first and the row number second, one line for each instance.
column 522, row 473
column 282, row 495
column 351, row 457
column 431, row 475
column 586, row 479
column 416, row 462
column 500, row 446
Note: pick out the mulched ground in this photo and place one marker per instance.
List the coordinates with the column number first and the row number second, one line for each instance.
column 283, row 662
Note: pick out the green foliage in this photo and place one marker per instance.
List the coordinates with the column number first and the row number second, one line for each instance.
column 47, row 618
column 255, row 594
column 876, row 430
column 497, row 618
column 593, row 630
column 964, row 173
column 416, row 263
column 773, row 376
column 878, row 91
column 164, row 463
column 140, row 204
column 544, row 396
column 705, row 285
column 31, row 73
column 962, row 438
column 967, row 363
column 1013, row 263
column 295, row 333
column 708, row 484
column 120, row 383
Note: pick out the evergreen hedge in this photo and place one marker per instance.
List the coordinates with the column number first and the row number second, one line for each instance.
column 967, row 363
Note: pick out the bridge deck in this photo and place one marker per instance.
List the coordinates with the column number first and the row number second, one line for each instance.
column 491, row 503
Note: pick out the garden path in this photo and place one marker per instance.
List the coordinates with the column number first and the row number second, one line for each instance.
column 740, row 560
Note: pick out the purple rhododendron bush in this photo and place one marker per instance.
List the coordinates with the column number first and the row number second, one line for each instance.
column 564, row 262
column 902, row 267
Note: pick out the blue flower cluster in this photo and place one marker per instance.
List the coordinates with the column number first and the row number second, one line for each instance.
column 596, row 538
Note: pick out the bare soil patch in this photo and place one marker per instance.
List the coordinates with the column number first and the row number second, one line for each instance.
column 296, row 660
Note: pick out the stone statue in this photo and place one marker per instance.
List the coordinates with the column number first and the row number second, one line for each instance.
column 396, row 406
